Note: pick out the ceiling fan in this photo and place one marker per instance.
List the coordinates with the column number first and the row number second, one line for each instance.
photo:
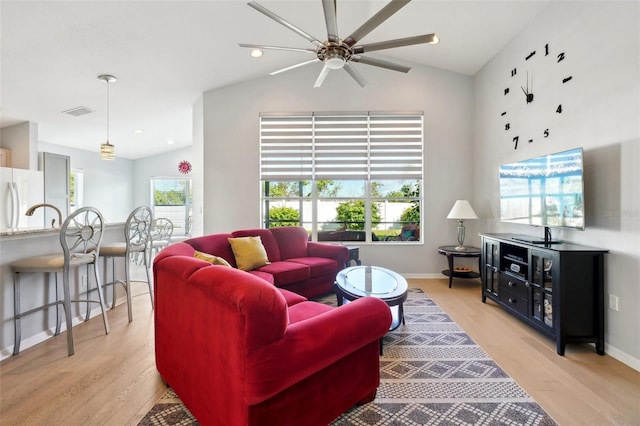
column 336, row 53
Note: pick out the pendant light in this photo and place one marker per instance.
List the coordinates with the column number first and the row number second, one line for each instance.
column 107, row 151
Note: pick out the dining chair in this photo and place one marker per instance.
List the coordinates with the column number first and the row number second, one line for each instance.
column 80, row 238
column 137, row 235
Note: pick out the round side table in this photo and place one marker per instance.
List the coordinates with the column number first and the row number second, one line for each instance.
column 451, row 252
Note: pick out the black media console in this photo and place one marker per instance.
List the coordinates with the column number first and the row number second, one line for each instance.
column 556, row 288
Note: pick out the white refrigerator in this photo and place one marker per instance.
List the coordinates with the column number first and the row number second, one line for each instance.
column 19, row 190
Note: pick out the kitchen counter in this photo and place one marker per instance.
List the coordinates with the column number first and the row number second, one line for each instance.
column 12, row 234
column 21, row 243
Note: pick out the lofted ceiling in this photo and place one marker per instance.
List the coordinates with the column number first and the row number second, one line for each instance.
column 165, row 54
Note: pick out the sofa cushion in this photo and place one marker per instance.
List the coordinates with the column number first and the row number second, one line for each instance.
column 292, row 241
column 291, row 297
column 318, row 265
column 248, row 252
column 264, row 275
column 214, row 260
column 285, row 272
column 268, row 241
column 305, row 310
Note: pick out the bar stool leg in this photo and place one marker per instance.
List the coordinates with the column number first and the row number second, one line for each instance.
column 127, row 274
column 58, row 316
column 16, row 312
column 146, row 269
column 67, row 310
column 103, row 308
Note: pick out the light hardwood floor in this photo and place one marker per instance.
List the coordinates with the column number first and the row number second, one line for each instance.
column 111, row 380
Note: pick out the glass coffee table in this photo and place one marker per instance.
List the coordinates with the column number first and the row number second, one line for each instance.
column 360, row 281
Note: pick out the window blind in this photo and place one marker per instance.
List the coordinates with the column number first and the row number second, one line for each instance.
column 319, row 146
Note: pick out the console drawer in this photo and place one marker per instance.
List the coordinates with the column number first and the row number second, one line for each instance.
column 513, row 285
column 518, row 304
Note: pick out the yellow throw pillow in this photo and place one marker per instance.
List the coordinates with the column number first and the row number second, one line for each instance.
column 249, row 252
column 214, row 260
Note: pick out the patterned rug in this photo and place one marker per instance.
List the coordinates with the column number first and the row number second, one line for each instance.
column 431, row 373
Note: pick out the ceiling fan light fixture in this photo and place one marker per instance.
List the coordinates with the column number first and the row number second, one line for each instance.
column 334, row 60
column 256, row 53
column 435, row 40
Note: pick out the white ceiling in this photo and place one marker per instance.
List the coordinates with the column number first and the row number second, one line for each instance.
column 165, row 54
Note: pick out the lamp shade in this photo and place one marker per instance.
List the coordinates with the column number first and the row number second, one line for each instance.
column 462, row 210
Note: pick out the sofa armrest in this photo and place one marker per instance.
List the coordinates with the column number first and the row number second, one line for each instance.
column 337, row 252
column 310, row 345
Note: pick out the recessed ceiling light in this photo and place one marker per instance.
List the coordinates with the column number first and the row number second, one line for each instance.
column 256, row 53
column 170, row 142
column 138, row 131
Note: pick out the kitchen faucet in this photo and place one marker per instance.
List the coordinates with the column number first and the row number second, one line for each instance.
column 33, row 208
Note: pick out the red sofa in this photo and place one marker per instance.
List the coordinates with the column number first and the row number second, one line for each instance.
column 297, row 264
column 238, row 350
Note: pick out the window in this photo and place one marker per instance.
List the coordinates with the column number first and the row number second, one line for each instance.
column 76, row 189
column 171, row 199
column 343, row 176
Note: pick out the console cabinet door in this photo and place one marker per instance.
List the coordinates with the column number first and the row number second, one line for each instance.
column 542, row 307
column 491, row 268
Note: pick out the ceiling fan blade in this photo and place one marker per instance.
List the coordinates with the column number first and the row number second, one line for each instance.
column 292, row 49
column 331, row 20
column 322, row 76
column 408, row 41
column 380, row 63
column 377, row 19
column 294, row 66
column 284, row 22
column 355, row 74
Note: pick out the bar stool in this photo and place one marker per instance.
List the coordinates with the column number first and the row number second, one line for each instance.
column 80, row 238
column 137, row 234
column 162, row 231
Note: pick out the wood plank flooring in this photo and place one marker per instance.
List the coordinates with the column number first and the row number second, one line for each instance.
column 111, row 379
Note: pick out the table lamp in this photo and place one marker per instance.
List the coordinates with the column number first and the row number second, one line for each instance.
column 461, row 210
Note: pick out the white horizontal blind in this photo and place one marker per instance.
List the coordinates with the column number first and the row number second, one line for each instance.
column 341, row 146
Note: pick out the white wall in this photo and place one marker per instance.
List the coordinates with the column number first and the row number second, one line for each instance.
column 601, row 114
column 109, row 185
column 231, row 147
column 159, row 165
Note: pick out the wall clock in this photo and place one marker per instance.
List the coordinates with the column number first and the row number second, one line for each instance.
column 533, row 95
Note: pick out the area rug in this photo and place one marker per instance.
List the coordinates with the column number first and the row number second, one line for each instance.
column 432, row 373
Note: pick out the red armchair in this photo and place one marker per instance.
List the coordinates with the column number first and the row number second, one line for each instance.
column 239, row 351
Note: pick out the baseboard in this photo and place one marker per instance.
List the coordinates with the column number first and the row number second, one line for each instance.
column 623, row 357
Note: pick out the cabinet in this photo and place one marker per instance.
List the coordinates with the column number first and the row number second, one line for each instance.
column 557, row 288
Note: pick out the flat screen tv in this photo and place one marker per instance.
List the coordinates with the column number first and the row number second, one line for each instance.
column 544, row 191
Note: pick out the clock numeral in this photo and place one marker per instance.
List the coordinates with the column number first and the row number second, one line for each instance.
column 503, row 114
column 530, row 55
column 559, row 109
column 530, row 140
column 507, row 126
column 564, row 80
column 506, row 91
column 514, row 72
column 515, row 142
column 546, row 133
column 546, row 49
column 560, row 57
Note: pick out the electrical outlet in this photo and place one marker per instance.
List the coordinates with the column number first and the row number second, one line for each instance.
column 84, row 282
column 613, row 302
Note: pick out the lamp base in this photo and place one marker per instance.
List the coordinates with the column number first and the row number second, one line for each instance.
column 461, row 248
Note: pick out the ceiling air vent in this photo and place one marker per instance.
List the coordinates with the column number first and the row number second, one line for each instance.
column 78, row 111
